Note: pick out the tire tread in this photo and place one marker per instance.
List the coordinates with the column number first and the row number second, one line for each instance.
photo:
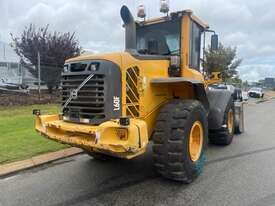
column 168, row 156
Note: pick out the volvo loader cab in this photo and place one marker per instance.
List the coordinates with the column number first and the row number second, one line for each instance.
column 114, row 104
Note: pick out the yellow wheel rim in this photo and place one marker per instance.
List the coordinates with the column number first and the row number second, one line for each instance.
column 195, row 141
column 230, row 121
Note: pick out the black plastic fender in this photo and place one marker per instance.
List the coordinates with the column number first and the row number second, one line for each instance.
column 239, row 117
column 218, row 101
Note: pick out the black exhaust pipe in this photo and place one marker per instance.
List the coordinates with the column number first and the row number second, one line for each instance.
column 130, row 29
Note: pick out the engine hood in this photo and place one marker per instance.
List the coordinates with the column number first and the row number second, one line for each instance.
column 113, row 57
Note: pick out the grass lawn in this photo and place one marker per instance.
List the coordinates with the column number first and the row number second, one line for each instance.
column 18, row 138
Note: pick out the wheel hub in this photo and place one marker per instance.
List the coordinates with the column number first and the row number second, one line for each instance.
column 230, row 121
column 195, row 141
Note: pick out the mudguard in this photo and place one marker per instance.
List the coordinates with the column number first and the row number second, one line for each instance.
column 218, row 101
column 239, row 117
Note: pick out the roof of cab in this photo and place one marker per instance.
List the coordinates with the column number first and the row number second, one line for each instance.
column 178, row 13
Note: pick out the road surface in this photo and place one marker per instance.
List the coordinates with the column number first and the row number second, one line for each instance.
column 240, row 174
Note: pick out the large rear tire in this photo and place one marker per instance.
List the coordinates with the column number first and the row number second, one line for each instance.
column 225, row 134
column 180, row 138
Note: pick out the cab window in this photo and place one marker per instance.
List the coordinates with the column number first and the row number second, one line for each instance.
column 195, row 46
column 159, row 39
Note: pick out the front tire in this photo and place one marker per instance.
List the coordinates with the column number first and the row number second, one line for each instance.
column 180, row 139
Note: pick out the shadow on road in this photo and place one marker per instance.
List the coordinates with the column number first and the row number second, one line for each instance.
column 121, row 177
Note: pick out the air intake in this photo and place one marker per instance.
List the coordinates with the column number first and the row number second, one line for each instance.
column 132, row 94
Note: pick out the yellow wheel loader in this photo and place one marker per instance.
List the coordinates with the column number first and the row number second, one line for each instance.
column 114, row 104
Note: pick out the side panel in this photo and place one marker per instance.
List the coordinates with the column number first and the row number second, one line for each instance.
column 150, row 98
column 184, row 88
column 155, row 88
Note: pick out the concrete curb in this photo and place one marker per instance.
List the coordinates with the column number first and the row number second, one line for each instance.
column 13, row 167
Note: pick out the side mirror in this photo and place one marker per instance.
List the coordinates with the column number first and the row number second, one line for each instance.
column 214, row 42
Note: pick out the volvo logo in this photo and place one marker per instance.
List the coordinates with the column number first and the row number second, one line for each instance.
column 74, row 94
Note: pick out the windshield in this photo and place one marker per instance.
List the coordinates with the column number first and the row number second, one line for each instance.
column 255, row 89
column 159, row 39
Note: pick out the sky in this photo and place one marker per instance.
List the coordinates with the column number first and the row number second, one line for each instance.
column 246, row 24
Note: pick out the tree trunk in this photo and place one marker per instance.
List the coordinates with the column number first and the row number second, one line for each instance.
column 50, row 89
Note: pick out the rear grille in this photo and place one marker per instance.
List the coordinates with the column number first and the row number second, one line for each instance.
column 89, row 103
column 99, row 100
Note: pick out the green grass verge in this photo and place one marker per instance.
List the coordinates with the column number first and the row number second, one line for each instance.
column 18, row 138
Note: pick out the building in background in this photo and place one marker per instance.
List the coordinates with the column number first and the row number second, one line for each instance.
column 261, row 83
column 269, row 83
column 11, row 71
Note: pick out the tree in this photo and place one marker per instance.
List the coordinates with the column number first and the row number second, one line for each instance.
column 235, row 80
column 245, row 85
column 223, row 60
column 54, row 49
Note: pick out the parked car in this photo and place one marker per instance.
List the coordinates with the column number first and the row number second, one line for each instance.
column 256, row 92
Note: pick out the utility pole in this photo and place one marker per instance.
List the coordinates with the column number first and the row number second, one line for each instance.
column 39, row 75
column 4, row 48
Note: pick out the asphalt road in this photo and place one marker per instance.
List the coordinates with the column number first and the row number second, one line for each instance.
column 240, row 174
